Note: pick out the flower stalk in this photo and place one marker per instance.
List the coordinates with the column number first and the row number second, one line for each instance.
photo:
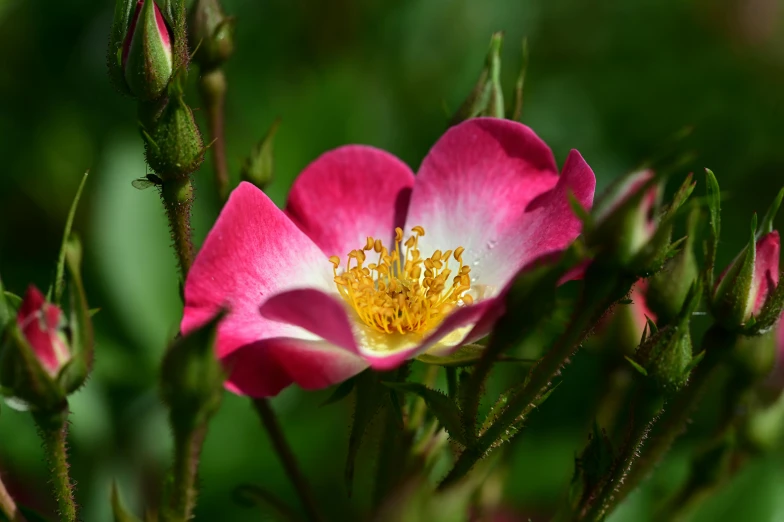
column 212, row 87
column 286, row 456
column 8, row 507
column 53, row 429
column 187, row 451
column 177, row 197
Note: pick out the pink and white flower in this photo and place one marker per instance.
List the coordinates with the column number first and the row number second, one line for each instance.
column 370, row 265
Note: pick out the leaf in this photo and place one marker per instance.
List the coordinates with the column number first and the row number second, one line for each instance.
column 341, row 391
column 636, row 365
column 714, row 208
column 444, row 409
column 517, row 113
column 82, row 340
column 766, row 226
column 14, row 300
column 60, row 270
column 466, row 356
column 118, row 509
column 370, row 396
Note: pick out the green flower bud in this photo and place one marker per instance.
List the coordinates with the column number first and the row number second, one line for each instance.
column 211, row 34
column 192, row 377
column 147, row 53
column 173, row 143
column 258, row 168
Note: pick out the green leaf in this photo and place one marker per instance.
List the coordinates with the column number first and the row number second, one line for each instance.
column 370, row 396
column 259, row 167
column 766, row 227
column 636, row 365
column 14, row 300
column 118, row 509
column 444, row 409
column 73, row 375
column 59, row 282
column 714, row 208
column 517, row 112
column 341, row 391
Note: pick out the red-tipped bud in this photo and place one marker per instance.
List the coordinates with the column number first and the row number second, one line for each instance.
column 147, row 52
column 744, row 287
column 42, row 325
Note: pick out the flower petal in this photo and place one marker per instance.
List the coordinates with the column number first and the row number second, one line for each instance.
column 348, row 194
column 40, row 322
column 253, row 252
column 476, row 187
column 264, row 368
column 766, row 268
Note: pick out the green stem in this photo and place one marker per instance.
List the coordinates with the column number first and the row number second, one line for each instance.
column 600, row 292
column 177, row 196
column 187, row 450
column 673, row 422
column 212, row 86
column 54, row 432
column 8, row 506
column 646, row 411
column 286, row 456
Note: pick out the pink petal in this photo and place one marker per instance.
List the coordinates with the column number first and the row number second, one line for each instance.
column 253, row 252
column 264, row 368
column 491, row 186
column 348, row 194
column 40, row 323
column 766, row 268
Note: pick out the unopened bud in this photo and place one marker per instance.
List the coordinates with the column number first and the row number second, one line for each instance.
column 258, row 168
column 147, row 52
column 192, row 377
column 173, row 143
column 34, row 350
column 744, row 287
column 210, row 34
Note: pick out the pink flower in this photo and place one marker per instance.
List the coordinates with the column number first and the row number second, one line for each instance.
column 41, row 325
column 370, row 265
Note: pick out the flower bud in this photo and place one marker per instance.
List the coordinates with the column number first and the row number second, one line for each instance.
column 487, row 98
column 211, row 34
column 744, row 287
column 665, row 355
column 623, row 328
column 173, row 143
column 192, row 378
column 668, row 288
column 147, row 52
column 258, row 168
column 624, row 218
column 34, row 350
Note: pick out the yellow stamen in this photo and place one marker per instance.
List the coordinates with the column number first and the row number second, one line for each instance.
column 395, row 294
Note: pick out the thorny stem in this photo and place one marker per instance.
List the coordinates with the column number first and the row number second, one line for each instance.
column 54, row 432
column 212, row 86
column 286, row 456
column 187, row 450
column 599, row 297
column 177, row 197
column 8, row 506
column 675, row 418
column 646, row 411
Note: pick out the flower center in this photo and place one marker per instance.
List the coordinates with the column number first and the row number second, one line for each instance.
column 403, row 293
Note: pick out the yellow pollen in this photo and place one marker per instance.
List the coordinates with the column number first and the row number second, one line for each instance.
column 402, row 292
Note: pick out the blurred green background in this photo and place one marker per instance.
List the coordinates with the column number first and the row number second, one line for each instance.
column 613, row 79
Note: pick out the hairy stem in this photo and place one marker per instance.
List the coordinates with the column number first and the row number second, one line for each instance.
column 286, row 456
column 187, row 450
column 8, row 506
column 674, row 420
column 54, row 432
column 177, row 197
column 646, row 411
column 212, row 86
column 599, row 294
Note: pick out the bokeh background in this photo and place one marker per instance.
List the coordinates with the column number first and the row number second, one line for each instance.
column 613, row 79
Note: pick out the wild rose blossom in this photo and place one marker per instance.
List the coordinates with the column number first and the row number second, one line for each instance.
column 41, row 324
column 370, row 265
